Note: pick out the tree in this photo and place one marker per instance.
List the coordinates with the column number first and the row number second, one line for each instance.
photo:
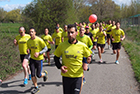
column 46, row 13
column 13, row 16
column 2, row 14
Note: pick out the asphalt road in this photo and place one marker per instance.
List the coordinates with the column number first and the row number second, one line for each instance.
column 106, row 78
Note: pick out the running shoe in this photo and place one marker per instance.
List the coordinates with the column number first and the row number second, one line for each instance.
column 45, row 77
column 45, row 61
column 100, row 61
column 49, row 63
column 116, row 62
column 25, row 81
column 30, row 77
column 84, row 81
column 34, row 90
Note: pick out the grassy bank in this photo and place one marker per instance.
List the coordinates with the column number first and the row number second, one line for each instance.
column 132, row 47
column 9, row 54
column 9, row 27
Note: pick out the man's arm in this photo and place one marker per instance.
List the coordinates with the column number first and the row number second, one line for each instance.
column 15, row 42
column 59, row 65
column 41, row 52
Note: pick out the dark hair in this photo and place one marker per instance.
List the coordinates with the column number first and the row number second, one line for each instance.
column 72, row 25
column 33, row 28
column 117, row 22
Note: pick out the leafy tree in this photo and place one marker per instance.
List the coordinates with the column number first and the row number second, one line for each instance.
column 46, row 13
column 2, row 14
column 13, row 16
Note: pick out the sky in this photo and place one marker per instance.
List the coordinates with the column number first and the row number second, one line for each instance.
column 9, row 5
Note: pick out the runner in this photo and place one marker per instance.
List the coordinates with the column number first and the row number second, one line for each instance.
column 88, row 33
column 94, row 32
column 57, row 37
column 72, row 52
column 60, row 29
column 37, row 47
column 85, row 39
column 113, row 27
column 65, row 34
column 116, row 40
column 108, row 30
column 48, row 40
column 21, row 41
column 100, row 42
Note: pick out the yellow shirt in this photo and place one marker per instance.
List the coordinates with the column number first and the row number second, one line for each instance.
column 85, row 39
column 60, row 29
column 57, row 37
column 108, row 28
column 113, row 27
column 72, row 56
column 116, row 34
column 47, row 38
column 101, row 37
column 65, row 35
column 94, row 32
column 36, row 45
column 22, row 43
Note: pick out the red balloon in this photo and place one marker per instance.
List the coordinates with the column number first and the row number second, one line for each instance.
column 92, row 18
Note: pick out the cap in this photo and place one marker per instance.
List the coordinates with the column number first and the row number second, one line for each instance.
column 87, row 27
column 56, row 27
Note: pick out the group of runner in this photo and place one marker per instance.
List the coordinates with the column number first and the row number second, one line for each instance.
column 75, row 44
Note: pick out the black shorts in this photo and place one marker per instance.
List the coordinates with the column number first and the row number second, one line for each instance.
column 116, row 46
column 22, row 57
column 36, row 66
column 72, row 85
column 101, row 45
column 49, row 50
column 108, row 35
column 56, row 46
column 94, row 43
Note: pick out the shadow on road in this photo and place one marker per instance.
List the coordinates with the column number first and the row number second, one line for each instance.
column 7, row 85
column 50, row 83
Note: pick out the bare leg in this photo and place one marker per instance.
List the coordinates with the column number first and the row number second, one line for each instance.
column 25, row 67
column 118, row 54
column 48, row 55
column 99, row 52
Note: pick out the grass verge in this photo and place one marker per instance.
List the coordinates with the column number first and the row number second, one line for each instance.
column 133, row 51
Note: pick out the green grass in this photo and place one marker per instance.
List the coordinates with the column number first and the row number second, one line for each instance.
column 132, row 47
column 9, row 56
column 9, row 27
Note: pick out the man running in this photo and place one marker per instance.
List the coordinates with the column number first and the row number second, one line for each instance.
column 116, row 40
column 57, row 36
column 100, row 42
column 48, row 40
column 65, row 34
column 72, row 52
column 37, row 47
column 21, row 41
column 108, row 30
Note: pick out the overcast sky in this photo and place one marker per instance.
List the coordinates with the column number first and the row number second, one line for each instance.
column 9, row 5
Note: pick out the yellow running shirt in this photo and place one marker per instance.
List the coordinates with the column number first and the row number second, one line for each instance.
column 101, row 37
column 57, row 37
column 22, row 43
column 85, row 39
column 113, row 27
column 116, row 34
column 36, row 45
column 72, row 56
column 108, row 28
column 47, row 38
column 65, row 35
column 94, row 32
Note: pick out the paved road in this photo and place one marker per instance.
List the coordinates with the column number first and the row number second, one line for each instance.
column 107, row 78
